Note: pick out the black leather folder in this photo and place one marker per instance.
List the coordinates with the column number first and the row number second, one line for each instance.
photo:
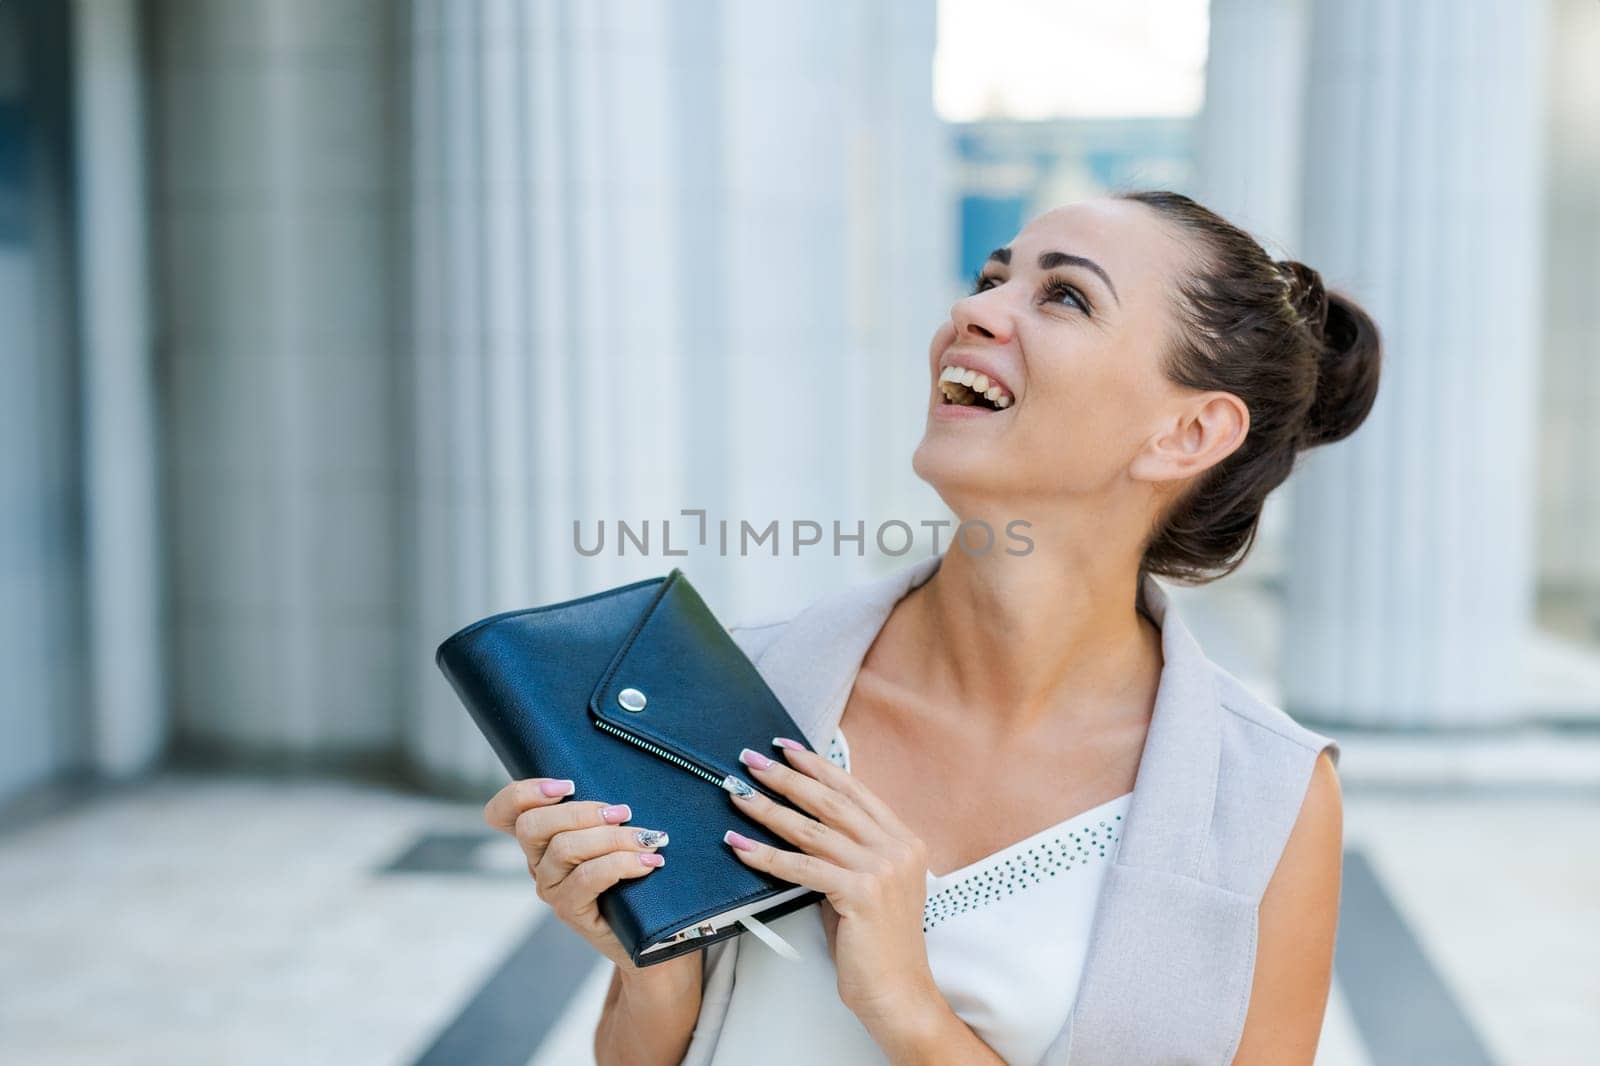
column 640, row 696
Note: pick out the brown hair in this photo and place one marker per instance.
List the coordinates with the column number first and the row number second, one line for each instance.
column 1303, row 359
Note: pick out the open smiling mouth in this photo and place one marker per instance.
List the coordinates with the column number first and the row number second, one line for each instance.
column 968, row 388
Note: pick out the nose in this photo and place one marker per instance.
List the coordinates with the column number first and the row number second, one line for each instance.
column 981, row 316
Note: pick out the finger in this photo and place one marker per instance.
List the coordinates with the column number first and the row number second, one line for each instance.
column 818, row 766
column 588, row 879
column 807, row 834
column 570, row 849
column 535, row 826
column 505, row 806
column 794, row 866
column 831, row 806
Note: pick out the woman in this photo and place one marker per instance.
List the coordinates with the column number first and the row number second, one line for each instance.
column 1140, row 859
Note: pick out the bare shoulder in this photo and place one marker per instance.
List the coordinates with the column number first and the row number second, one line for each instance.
column 1306, row 881
column 1315, row 848
column 1322, row 812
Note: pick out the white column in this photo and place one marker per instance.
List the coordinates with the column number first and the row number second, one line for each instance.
column 1247, row 156
column 1570, row 455
column 550, row 383
column 274, row 204
column 902, row 224
column 839, row 223
column 666, row 256
column 123, row 568
column 1410, row 588
column 1248, row 138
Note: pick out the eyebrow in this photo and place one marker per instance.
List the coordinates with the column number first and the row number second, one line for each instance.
column 1051, row 260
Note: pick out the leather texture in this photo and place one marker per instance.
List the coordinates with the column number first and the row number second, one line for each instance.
column 539, row 681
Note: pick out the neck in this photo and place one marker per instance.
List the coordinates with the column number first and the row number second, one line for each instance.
column 1025, row 640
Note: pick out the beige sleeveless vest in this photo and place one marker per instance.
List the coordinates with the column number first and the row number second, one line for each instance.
column 1167, row 975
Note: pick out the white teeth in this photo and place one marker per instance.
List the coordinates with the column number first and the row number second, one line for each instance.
column 978, row 383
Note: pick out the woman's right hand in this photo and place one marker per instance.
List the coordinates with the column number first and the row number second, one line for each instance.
column 577, row 850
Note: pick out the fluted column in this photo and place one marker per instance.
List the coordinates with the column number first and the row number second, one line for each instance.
column 665, row 256
column 1410, row 586
column 1248, row 140
column 124, row 572
column 547, row 359
column 834, row 156
column 273, row 201
column 1247, row 159
column 1570, row 456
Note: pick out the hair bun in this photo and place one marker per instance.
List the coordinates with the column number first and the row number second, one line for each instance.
column 1306, row 294
column 1347, row 367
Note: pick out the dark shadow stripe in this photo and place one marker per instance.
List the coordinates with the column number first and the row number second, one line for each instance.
column 1405, row 1013
column 449, row 853
column 514, row 1010
column 61, row 794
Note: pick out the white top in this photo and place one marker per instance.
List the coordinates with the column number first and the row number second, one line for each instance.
column 1006, row 941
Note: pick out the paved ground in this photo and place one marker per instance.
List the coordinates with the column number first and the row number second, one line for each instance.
column 220, row 921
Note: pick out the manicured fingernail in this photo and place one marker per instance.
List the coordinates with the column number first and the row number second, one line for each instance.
column 650, row 858
column 562, row 787
column 785, row 742
column 651, row 838
column 754, row 758
column 738, row 840
column 617, row 812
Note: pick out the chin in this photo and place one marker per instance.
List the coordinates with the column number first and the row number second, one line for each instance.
column 950, row 465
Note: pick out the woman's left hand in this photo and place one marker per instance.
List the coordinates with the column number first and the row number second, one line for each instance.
column 869, row 864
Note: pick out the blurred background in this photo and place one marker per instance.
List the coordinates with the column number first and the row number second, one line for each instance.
column 326, row 324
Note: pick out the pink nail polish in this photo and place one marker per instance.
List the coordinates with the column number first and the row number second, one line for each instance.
column 754, row 758
column 738, row 840
column 785, row 742
column 562, row 787
column 616, row 812
column 650, row 858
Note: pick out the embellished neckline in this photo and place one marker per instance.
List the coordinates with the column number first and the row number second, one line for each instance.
column 1078, row 825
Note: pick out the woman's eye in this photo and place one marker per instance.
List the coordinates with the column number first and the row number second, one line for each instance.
column 1056, row 290
column 982, row 282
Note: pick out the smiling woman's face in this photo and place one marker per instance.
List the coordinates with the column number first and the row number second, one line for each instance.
column 1069, row 321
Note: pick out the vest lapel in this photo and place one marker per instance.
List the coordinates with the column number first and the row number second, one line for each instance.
column 1168, row 953
column 812, row 664
column 1164, row 944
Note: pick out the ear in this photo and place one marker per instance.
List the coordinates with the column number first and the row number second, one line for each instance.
column 1206, row 430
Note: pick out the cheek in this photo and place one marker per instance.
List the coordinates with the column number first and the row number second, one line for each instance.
column 1094, row 420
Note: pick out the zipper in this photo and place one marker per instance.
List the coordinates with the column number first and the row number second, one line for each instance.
column 694, row 932
column 727, row 782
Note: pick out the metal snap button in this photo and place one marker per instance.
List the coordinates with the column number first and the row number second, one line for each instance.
column 631, row 699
